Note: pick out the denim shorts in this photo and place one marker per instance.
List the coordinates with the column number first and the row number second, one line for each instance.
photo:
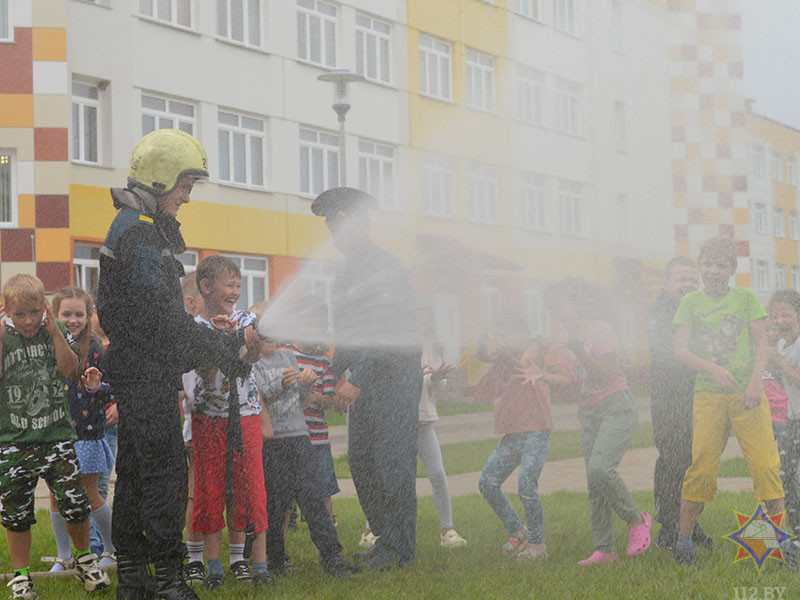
column 329, row 485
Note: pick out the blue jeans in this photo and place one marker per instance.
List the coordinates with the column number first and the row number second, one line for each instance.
column 529, row 451
column 96, row 544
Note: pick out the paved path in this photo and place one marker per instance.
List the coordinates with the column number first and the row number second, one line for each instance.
column 567, row 475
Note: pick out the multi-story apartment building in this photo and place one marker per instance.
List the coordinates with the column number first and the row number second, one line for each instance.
column 509, row 142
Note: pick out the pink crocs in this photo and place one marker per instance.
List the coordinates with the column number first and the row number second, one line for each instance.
column 639, row 536
column 599, row 558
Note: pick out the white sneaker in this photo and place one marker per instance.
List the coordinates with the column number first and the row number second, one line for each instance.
column 368, row 539
column 22, row 588
column 451, row 539
column 89, row 572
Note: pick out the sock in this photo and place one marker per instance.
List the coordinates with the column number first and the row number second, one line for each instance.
column 195, row 551
column 24, row 571
column 63, row 547
column 684, row 541
column 236, row 552
column 79, row 553
column 215, row 566
column 260, row 568
column 102, row 516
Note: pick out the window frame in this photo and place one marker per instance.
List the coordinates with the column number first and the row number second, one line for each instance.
column 531, row 94
column 791, row 170
column 441, row 59
column 761, row 276
column 571, row 200
column 172, row 21
column 13, row 183
column 315, row 274
column 796, row 278
column 247, row 274
column 537, row 314
column 78, row 134
column 483, row 179
column 537, row 7
column 479, row 80
column 620, row 127
column 758, row 158
column 534, row 202
column 760, row 218
column 362, row 32
column 617, row 26
column 329, row 179
column 247, row 19
column 8, row 5
column 178, row 118
column 776, row 166
column 780, row 276
column 438, row 171
column 82, row 267
column 250, row 134
column 568, row 95
column 308, row 9
column 779, row 222
column 384, row 156
column 570, row 11
column 794, row 226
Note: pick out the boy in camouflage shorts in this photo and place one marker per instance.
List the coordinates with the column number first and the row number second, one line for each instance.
column 36, row 432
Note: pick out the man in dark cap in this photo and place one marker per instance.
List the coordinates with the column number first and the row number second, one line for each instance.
column 671, row 402
column 377, row 341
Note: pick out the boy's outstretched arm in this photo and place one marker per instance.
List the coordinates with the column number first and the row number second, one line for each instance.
column 683, row 352
column 66, row 359
column 755, row 388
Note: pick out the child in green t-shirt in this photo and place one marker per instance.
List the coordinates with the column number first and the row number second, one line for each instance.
column 36, row 432
column 721, row 332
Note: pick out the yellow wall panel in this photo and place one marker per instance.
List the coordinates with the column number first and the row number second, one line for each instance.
column 49, row 44
column 16, row 110
column 53, row 245
column 26, row 210
column 441, row 18
column 740, row 216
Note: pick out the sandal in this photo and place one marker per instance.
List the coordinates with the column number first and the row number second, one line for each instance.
column 517, row 539
column 639, row 536
column 529, row 552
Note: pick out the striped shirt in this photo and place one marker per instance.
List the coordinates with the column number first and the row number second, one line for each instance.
column 325, row 384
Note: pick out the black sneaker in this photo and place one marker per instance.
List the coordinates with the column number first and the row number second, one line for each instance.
column 684, row 555
column 194, row 573
column 337, row 567
column 701, row 540
column 667, row 538
column 282, row 568
column 241, row 571
column 263, row 578
column 214, row 580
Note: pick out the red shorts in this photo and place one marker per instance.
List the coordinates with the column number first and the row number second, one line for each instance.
column 209, row 435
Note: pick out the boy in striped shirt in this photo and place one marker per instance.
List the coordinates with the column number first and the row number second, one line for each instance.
column 311, row 352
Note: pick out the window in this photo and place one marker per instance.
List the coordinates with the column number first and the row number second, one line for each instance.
column 373, row 49
column 240, row 21
column 241, row 149
column 316, row 279
column 161, row 113
column 490, row 300
column 617, row 30
column 567, row 95
column 480, row 81
column 536, row 313
column 761, row 276
column 760, row 218
column 434, row 68
column 174, row 12
column 530, row 95
column 776, row 166
column 570, row 207
column 86, row 266
column 533, row 201
column 530, row 9
column 482, row 186
column 779, row 223
column 319, row 161
column 791, row 170
column 565, row 17
column 6, row 27
column 794, row 230
column 8, row 187
column 254, row 280
column 85, row 123
column 796, row 278
column 758, row 166
column 620, row 128
column 438, row 186
column 623, row 219
column 316, row 32
column 188, row 259
column 780, row 276
column 376, row 171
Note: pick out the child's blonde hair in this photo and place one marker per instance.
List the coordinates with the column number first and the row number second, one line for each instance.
column 23, row 287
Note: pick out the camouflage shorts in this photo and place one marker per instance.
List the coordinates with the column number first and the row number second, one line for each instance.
column 21, row 466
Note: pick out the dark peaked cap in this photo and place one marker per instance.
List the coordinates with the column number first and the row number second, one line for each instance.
column 341, row 199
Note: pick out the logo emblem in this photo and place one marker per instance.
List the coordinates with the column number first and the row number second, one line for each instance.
column 759, row 536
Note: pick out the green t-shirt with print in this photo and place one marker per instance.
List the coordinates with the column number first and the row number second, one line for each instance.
column 33, row 407
column 720, row 332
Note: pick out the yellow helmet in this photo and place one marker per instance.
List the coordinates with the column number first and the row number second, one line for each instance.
column 162, row 157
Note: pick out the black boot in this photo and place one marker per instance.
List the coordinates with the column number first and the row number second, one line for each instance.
column 169, row 581
column 133, row 580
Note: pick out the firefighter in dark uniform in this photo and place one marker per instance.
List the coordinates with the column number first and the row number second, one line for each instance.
column 671, row 402
column 378, row 342
column 153, row 341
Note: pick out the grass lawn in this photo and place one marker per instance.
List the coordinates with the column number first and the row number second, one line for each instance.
column 469, row 457
column 480, row 571
column 445, row 409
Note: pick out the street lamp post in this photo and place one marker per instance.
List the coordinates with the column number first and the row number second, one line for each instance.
column 341, row 78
